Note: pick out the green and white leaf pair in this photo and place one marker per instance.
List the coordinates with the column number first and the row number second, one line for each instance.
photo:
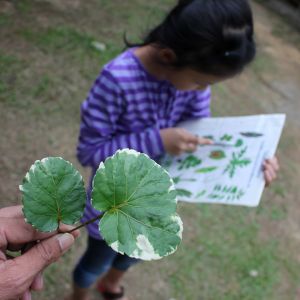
column 137, row 196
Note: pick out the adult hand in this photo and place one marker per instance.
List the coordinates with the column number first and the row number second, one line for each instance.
column 271, row 168
column 178, row 140
column 20, row 275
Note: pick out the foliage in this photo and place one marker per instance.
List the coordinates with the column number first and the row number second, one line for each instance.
column 183, row 193
column 137, row 197
column 226, row 138
column 139, row 200
column 53, row 192
column 226, row 193
column 251, row 134
column 189, row 162
column 237, row 161
column 180, row 179
column 218, row 155
column 206, row 170
column 239, row 143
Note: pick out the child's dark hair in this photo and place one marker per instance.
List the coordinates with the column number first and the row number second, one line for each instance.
column 210, row 36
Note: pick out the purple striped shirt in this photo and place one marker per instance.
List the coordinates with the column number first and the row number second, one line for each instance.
column 126, row 108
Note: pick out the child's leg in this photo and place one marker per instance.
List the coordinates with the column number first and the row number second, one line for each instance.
column 112, row 280
column 97, row 260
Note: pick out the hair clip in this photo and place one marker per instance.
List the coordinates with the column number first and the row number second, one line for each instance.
column 232, row 54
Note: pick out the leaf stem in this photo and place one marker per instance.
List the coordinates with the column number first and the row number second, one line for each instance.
column 87, row 223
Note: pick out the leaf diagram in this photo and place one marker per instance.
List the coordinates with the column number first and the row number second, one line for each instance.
column 189, row 162
column 237, row 161
column 217, row 155
column 251, row 134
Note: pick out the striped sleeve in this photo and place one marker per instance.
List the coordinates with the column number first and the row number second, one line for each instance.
column 199, row 107
column 98, row 136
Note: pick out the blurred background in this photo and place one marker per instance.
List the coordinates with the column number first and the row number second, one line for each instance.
column 51, row 52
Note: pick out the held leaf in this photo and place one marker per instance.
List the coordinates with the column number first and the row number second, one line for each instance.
column 139, row 200
column 52, row 193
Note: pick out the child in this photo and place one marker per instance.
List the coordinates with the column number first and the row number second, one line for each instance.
column 141, row 95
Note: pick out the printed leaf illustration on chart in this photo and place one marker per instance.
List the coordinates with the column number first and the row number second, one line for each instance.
column 206, row 170
column 237, row 161
column 239, row 143
column 180, row 179
column 52, row 193
column 209, row 137
column 228, row 193
column 184, row 193
column 189, row 162
column 251, row 134
column 201, row 194
column 217, row 155
column 226, row 138
column 139, row 200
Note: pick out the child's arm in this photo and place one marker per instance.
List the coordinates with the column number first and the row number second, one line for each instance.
column 99, row 116
column 177, row 140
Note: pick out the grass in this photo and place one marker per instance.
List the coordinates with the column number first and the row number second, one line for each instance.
column 54, row 39
column 42, row 86
column 228, row 253
column 222, row 255
column 23, row 6
column 263, row 63
column 282, row 26
column 10, row 66
column 5, row 20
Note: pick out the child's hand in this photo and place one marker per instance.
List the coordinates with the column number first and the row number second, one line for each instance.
column 178, row 140
column 270, row 167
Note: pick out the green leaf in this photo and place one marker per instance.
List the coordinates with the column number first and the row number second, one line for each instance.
column 189, row 162
column 206, row 170
column 239, row 143
column 251, row 134
column 52, row 192
column 217, row 155
column 183, row 193
column 139, row 200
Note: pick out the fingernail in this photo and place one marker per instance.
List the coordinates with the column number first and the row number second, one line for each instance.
column 65, row 241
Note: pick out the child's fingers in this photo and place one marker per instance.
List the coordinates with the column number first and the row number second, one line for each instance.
column 268, row 178
column 195, row 139
column 272, row 172
column 273, row 162
column 190, row 138
column 191, row 147
column 188, row 147
column 203, row 141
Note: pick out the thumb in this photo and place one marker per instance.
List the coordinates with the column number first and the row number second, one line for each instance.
column 44, row 253
column 21, row 271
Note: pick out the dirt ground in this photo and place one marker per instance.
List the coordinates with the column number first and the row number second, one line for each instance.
column 44, row 84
